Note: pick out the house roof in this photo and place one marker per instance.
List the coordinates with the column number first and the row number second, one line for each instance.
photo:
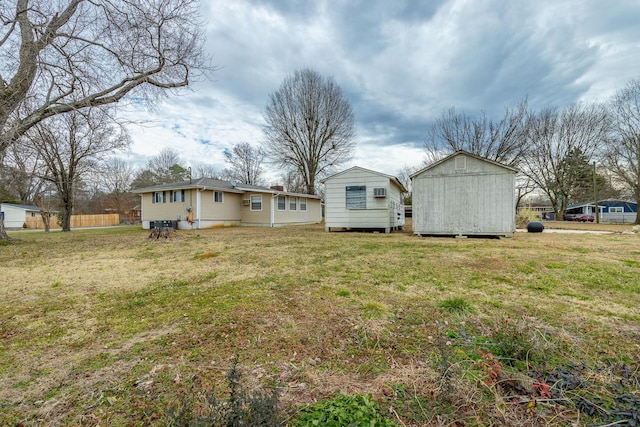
column 466, row 153
column 605, row 202
column 391, row 177
column 218, row 184
column 23, row 207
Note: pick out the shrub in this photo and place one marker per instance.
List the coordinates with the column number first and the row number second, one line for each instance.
column 343, row 410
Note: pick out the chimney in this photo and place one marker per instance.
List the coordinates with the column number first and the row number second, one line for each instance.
column 277, row 187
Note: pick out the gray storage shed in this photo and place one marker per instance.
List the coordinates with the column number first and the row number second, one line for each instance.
column 464, row 195
column 362, row 199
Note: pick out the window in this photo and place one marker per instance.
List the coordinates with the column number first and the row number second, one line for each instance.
column 177, row 196
column 256, row 203
column 461, row 163
column 293, row 203
column 303, row 204
column 356, row 197
column 217, row 197
column 616, row 209
column 282, row 203
column 157, row 197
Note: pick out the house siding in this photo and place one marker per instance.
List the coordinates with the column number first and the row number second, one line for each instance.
column 476, row 200
column 380, row 213
column 15, row 217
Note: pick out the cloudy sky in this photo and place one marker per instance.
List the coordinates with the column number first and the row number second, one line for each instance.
column 399, row 63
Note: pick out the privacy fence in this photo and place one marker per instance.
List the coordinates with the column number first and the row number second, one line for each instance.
column 77, row 221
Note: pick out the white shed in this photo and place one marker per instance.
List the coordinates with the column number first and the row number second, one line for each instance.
column 464, row 195
column 363, row 199
column 15, row 216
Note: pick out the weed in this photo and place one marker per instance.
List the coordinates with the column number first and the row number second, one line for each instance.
column 343, row 410
column 456, row 305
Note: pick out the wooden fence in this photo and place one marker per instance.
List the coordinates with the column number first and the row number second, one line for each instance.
column 77, row 221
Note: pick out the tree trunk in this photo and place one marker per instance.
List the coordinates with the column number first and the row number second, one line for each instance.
column 3, row 233
column 66, row 219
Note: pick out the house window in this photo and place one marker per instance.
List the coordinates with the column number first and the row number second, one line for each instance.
column 157, row 197
column 616, row 209
column 177, row 196
column 293, row 203
column 356, row 197
column 282, row 203
column 303, row 204
column 256, row 203
column 217, row 197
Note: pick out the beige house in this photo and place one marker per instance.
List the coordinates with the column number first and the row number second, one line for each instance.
column 362, row 199
column 206, row 203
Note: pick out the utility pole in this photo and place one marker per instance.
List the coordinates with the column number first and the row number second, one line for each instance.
column 595, row 194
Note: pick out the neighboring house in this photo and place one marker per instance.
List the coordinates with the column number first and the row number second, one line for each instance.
column 15, row 216
column 206, row 203
column 362, row 199
column 611, row 210
column 464, row 195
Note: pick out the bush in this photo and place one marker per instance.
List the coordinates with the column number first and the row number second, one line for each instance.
column 343, row 410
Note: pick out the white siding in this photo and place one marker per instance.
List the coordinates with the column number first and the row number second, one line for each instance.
column 476, row 200
column 381, row 212
column 15, row 217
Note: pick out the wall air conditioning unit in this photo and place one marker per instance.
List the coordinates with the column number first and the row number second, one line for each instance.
column 246, row 202
column 379, row 192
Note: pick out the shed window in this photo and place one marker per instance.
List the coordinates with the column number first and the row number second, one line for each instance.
column 177, row 196
column 356, row 197
column 303, row 204
column 461, row 163
column 293, row 203
column 616, row 209
column 282, row 203
column 217, row 197
column 256, row 203
column 157, row 197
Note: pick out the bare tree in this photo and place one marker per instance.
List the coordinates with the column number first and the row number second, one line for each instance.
column 292, row 182
column 553, row 137
column 70, row 146
column 501, row 141
column 310, row 126
column 245, row 163
column 204, row 170
column 115, row 178
column 163, row 168
column 622, row 153
column 57, row 57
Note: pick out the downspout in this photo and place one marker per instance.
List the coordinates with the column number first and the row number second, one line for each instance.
column 272, row 214
column 198, row 208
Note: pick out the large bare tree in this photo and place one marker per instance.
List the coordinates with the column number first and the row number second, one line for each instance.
column 501, row 141
column 310, row 126
column 62, row 56
column 245, row 164
column 553, row 138
column 71, row 145
column 622, row 154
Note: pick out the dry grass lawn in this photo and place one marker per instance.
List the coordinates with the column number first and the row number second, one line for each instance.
column 104, row 327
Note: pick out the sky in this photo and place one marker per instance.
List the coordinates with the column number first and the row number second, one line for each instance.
column 399, row 63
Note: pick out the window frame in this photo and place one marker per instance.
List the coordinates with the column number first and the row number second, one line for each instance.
column 284, row 203
column 303, row 204
column 358, row 198
column 293, row 203
column 215, row 193
column 251, row 202
column 174, row 199
column 616, row 209
column 155, row 197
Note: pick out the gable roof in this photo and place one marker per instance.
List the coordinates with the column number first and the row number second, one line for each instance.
column 390, row 177
column 22, row 207
column 466, row 153
column 217, row 184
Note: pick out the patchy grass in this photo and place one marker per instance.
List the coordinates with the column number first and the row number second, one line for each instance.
column 105, row 327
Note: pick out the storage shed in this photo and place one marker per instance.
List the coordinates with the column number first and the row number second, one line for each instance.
column 362, row 199
column 464, row 195
column 15, row 216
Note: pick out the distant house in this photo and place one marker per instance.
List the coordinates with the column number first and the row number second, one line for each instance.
column 362, row 199
column 464, row 195
column 610, row 210
column 206, row 203
column 15, row 216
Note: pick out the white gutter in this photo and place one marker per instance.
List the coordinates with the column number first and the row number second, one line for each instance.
column 272, row 214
